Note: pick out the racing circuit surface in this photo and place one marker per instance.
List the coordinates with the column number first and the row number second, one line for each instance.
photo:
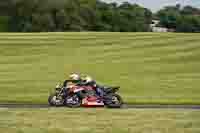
column 125, row 106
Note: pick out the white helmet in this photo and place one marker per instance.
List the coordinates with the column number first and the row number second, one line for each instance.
column 74, row 76
column 57, row 86
column 88, row 79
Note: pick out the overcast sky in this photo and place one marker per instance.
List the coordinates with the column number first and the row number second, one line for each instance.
column 155, row 5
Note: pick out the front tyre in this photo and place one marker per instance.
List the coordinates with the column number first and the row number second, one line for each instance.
column 53, row 100
column 73, row 101
column 115, row 101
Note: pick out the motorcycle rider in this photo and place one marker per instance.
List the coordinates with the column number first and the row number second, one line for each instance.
column 89, row 81
column 76, row 77
column 73, row 79
column 78, row 80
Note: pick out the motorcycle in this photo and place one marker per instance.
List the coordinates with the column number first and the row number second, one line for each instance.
column 76, row 96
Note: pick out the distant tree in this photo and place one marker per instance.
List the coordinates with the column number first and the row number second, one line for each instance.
column 3, row 23
column 186, row 19
column 189, row 10
column 169, row 16
column 78, row 15
column 189, row 23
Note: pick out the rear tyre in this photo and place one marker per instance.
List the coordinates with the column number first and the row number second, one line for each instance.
column 73, row 101
column 115, row 101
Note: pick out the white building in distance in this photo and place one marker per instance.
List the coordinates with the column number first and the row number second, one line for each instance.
column 155, row 28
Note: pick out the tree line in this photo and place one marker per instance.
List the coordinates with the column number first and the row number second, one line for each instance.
column 186, row 19
column 78, row 15
column 94, row 15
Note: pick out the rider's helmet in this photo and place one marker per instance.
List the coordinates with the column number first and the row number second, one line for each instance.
column 75, row 76
column 88, row 79
column 57, row 86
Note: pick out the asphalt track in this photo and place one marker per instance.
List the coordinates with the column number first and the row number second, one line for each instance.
column 125, row 106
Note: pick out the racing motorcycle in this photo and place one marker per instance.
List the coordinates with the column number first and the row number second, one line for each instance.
column 76, row 96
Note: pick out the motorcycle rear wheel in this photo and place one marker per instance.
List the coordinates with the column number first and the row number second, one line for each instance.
column 115, row 102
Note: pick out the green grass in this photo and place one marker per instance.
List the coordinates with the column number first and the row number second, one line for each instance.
column 151, row 68
column 98, row 121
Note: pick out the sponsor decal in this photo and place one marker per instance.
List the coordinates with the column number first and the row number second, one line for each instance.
column 77, row 90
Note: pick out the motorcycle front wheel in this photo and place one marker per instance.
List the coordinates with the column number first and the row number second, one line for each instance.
column 53, row 100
